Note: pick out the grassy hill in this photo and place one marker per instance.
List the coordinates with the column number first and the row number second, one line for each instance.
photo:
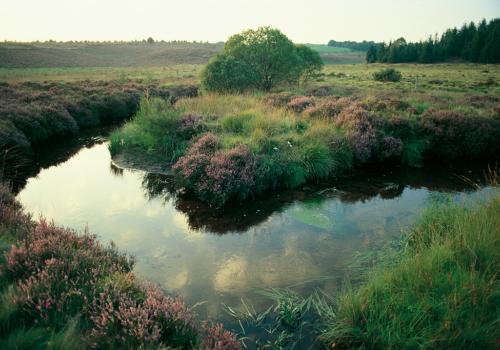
column 134, row 54
column 104, row 54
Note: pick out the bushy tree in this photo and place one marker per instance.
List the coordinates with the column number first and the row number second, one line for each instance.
column 225, row 73
column 261, row 59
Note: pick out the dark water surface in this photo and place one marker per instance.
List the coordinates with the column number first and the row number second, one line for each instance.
column 304, row 239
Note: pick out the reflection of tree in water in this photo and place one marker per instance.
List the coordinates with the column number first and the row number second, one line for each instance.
column 368, row 184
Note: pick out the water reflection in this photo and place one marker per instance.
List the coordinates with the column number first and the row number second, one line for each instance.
column 304, row 238
column 369, row 184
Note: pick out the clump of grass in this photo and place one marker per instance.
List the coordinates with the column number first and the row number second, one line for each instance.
column 441, row 293
column 291, row 321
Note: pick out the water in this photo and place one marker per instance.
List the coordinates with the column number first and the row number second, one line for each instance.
column 304, row 239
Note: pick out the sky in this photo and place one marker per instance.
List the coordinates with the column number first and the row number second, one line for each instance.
column 305, row 21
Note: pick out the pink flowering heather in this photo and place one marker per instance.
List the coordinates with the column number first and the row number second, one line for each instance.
column 218, row 338
column 191, row 166
column 328, row 107
column 391, row 147
column 455, row 134
column 361, row 127
column 12, row 217
column 155, row 319
column 230, row 174
column 300, row 103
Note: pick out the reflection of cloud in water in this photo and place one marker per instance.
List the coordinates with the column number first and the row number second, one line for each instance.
column 231, row 276
column 177, row 281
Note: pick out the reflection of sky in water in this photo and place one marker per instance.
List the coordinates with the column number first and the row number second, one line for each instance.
column 308, row 244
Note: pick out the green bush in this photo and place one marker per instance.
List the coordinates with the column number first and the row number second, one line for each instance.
column 226, row 74
column 388, row 74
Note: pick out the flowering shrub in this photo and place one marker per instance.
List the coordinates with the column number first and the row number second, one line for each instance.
column 217, row 338
column 13, row 221
column 58, row 271
column 217, row 175
column 390, row 147
column 361, row 127
column 155, row 319
column 230, row 174
column 300, row 103
column 453, row 134
column 328, row 108
column 190, row 168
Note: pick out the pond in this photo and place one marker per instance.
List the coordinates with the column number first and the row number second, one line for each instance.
column 302, row 239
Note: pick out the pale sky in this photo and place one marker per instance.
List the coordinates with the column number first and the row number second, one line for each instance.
column 307, row 21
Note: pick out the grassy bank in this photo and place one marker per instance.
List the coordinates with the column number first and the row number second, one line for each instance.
column 225, row 147
column 441, row 292
column 32, row 112
column 63, row 290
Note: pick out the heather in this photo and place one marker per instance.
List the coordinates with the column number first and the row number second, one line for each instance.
column 32, row 113
column 62, row 289
column 232, row 147
column 439, row 291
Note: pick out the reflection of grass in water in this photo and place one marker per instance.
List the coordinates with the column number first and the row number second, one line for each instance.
column 289, row 322
column 311, row 213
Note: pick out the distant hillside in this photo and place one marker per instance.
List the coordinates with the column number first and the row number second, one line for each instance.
column 32, row 55
column 133, row 54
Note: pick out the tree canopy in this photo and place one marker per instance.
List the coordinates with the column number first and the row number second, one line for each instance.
column 260, row 59
column 474, row 43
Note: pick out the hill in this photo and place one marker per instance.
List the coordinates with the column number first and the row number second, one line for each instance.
column 131, row 54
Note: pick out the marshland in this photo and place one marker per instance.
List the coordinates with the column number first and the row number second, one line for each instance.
column 251, row 193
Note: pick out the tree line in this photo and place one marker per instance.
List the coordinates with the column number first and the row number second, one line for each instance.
column 474, row 43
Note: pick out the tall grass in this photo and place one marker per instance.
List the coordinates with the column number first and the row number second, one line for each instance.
column 442, row 292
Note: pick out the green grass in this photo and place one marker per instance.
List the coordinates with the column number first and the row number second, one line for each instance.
column 440, row 292
column 328, row 49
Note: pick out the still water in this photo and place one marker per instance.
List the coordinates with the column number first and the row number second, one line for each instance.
column 304, row 239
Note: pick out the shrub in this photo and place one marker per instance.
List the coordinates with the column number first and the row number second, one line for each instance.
column 226, row 74
column 278, row 100
column 190, row 168
column 230, row 174
column 217, row 338
column 153, row 319
column 328, row 107
column 388, row 74
column 361, row 128
column 300, row 103
column 454, row 134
